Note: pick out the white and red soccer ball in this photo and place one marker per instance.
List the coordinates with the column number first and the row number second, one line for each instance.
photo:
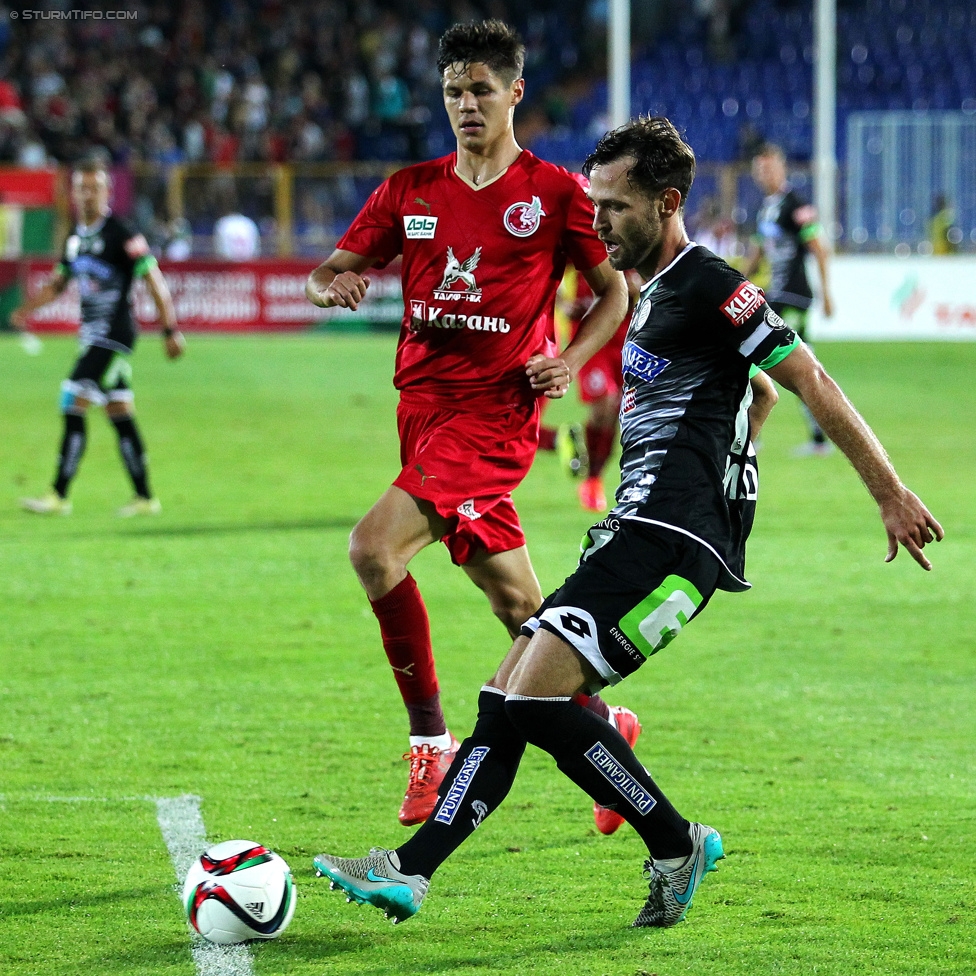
column 239, row 890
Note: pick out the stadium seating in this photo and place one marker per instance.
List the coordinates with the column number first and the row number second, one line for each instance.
column 891, row 54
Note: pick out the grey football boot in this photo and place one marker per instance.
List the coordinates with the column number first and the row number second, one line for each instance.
column 375, row 880
column 671, row 892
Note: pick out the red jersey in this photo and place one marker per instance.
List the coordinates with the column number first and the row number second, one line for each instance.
column 480, row 271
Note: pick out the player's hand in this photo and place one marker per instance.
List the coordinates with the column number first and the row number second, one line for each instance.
column 549, row 376
column 174, row 344
column 828, row 306
column 347, row 290
column 908, row 522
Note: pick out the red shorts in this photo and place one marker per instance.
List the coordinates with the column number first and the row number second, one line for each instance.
column 602, row 374
column 467, row 462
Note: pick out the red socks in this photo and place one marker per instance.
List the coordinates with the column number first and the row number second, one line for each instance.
column 405, row 630
column 599, row 447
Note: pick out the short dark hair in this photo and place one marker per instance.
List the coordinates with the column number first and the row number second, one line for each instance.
column 492, row 43
column 95, row 161
column 661, row 156
column 770, row 149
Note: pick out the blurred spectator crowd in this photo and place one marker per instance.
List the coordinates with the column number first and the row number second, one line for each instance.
column 249, row 80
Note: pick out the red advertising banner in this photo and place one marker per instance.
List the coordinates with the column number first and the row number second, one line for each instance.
column 232, row 297
column 27, row 187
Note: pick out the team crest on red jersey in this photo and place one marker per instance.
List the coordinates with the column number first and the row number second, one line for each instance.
column 523, row 219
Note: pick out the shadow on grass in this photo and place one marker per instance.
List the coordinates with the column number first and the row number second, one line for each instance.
column 239, row 528
column 345, row 944
column 164, row 956
column 12, row 908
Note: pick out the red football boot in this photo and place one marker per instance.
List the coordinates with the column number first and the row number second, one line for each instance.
column 607, row 821
column 428, row 764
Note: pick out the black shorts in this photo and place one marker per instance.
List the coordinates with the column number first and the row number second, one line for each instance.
column 100, row 376
column 636, row 586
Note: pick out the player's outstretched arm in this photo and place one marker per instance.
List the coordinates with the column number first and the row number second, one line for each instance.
column 173, row 340
column 600, row 323
column 339, row 280
column 906, row 520
column 552, row 375
column 50, row 290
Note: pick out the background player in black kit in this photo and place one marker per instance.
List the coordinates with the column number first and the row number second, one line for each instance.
column 787, row 229
column 105, row 255
column 677, row 534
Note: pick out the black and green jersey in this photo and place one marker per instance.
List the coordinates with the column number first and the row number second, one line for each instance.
column 687, row 464
column 104, row 259
column 785, row 224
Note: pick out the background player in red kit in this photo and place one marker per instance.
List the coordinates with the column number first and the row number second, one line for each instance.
column 485, row 235
column 600, row 386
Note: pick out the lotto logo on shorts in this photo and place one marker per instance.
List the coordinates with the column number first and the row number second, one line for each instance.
column 740, row 305
column 620, row 779
column 455, row 795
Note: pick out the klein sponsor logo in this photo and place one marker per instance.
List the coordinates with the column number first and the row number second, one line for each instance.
column 643, row 364
column 741, row 304
column 620, row 779
column 629, row 401
column 417, row 228
column 455, row 795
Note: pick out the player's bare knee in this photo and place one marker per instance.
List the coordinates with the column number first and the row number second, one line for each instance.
column 373, row 561
column 513, row 607
column 71, row 400
column 119, row 408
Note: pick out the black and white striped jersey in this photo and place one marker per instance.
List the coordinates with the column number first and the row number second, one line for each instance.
column 687, row 464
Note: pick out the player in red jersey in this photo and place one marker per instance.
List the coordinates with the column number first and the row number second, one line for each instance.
column 600, row 388
column 485, row 235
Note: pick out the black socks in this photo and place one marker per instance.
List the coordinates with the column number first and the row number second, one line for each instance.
column 597, row 758
column 133, row 453
column 479, row 779
column 72, row 447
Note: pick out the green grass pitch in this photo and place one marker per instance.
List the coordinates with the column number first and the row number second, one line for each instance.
column 824, row 722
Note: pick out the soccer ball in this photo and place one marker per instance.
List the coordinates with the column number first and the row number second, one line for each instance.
column 239, row 890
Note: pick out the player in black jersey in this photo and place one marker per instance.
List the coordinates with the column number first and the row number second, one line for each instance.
column 104, row 255
column 787, row 230
column 684, row 509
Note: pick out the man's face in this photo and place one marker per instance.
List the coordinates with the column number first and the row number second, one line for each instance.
column 769, row 172
column 479, row 104
column 89, row 192
column 626, row 220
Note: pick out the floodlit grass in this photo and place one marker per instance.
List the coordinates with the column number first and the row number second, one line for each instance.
column 824, row 722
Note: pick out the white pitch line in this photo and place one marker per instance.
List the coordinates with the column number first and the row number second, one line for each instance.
column 182, row 827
